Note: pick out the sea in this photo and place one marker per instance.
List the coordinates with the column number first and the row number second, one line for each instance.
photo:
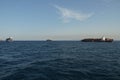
column 59, row 60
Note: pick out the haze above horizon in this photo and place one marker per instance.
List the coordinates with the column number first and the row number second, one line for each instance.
column 59, row 19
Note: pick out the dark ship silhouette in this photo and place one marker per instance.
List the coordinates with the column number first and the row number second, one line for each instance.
column 10, row 39
column 103, row 39
column 48, row 40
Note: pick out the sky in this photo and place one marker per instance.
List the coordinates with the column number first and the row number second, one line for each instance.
column 59, row 19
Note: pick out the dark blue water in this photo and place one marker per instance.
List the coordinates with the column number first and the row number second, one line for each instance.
column 60, row 60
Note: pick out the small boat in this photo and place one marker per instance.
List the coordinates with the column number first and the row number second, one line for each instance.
column 10, row 39
column 103, row 39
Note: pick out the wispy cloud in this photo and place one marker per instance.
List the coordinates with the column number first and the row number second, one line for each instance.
column 67, row 15
column 109, row 1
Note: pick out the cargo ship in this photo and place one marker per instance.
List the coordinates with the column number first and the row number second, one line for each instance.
column 10, row 39
column 48, row 40
column 103, row 39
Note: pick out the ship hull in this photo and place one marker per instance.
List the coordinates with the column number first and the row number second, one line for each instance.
column 97, row 40
column 9, row 39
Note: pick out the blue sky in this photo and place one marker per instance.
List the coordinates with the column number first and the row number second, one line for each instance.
column 59, row 19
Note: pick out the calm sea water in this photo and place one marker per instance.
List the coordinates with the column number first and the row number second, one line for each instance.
column 59, row 60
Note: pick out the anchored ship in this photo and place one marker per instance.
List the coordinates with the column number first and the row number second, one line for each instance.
column 48, row 40
column 103, row 39
column 10, row 39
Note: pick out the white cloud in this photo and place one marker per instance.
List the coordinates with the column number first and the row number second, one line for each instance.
column 67, row 15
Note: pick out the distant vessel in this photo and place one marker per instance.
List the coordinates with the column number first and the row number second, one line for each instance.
column 10, row 39
column 103, row 39
column 48, row 40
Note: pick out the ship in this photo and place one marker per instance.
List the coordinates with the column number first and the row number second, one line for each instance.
column 103, row 39
column 10, row 39
column 48, row 40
